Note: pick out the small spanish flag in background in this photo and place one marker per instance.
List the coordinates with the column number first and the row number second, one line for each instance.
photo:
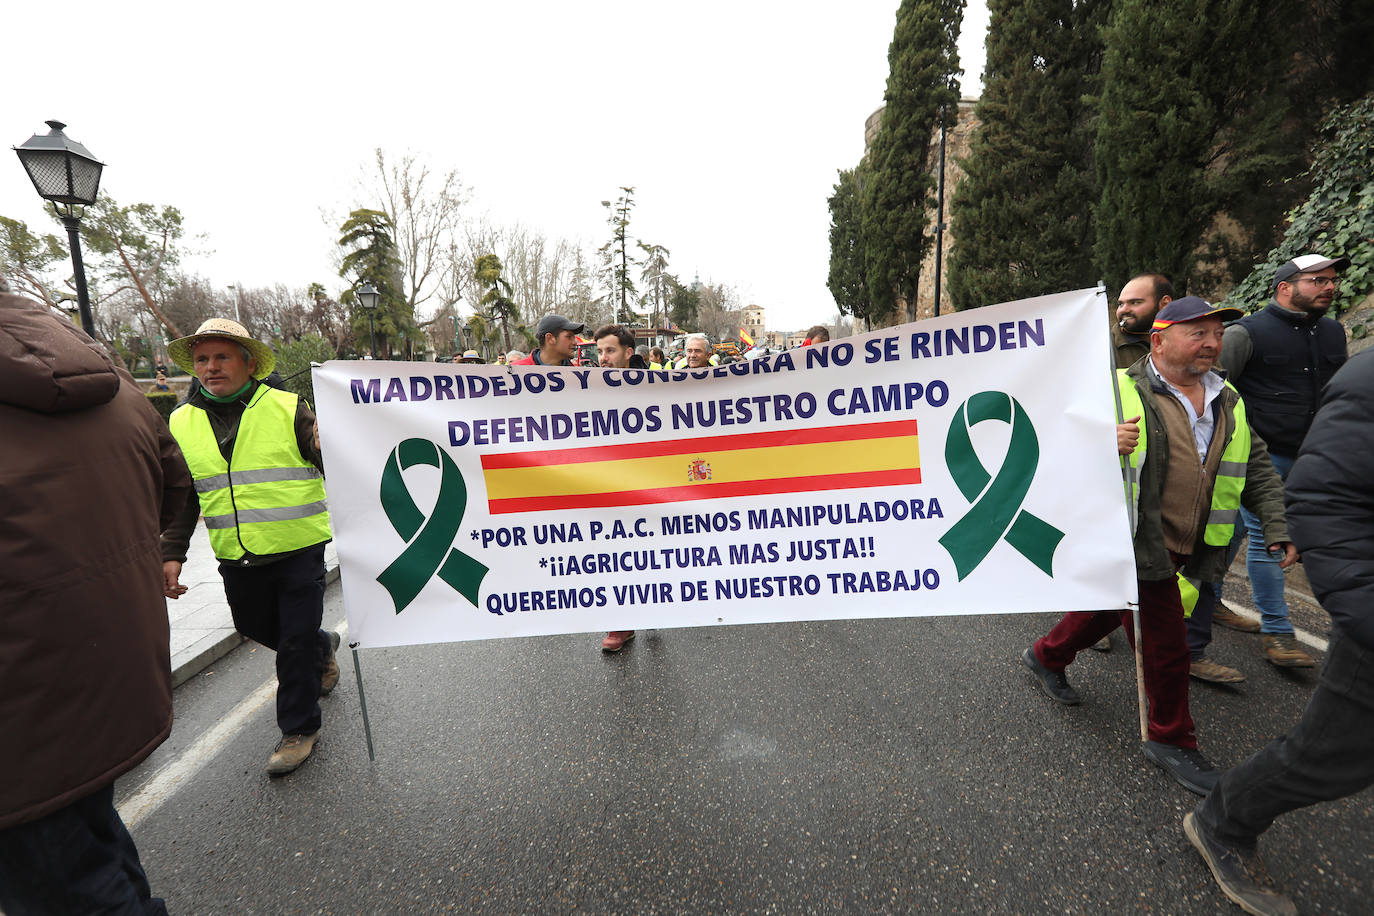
column 708, row 467
column 745, row 338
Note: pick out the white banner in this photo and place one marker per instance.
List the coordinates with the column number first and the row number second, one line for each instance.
column 961, row 465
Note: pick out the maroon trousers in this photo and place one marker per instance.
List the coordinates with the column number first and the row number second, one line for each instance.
column 1165, row 653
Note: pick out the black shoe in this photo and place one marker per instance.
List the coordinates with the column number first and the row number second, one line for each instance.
column 1241, row 875
column 1053, row 683
column 1186, row 764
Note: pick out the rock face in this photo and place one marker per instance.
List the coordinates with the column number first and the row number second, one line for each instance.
column 1359, row 324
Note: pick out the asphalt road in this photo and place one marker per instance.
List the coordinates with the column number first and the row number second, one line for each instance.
column 843, row 767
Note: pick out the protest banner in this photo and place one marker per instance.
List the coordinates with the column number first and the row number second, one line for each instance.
column 964, row 464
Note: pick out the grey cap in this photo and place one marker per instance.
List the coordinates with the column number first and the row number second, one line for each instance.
column 553, row 324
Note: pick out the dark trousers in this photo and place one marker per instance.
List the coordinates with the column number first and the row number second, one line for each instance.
column 281, row 605
column 1328, row 755
column 1200, row 623
column 1165, row 654
column 75, row 861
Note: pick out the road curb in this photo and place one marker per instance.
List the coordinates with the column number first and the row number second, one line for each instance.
column 194, row 661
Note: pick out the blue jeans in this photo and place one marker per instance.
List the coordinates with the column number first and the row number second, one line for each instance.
column 1266, row 578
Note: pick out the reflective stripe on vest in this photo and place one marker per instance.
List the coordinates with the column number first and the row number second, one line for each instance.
column 1230, row 481
column 269, row 499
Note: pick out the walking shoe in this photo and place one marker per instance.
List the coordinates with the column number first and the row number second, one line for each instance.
column 1204, row 669
column 1240, row 874
column 1282, row 650
column 1185, row 764
column 616, row 639
column 329, row 678
column 1223, row 616
column 290, row 753
column 1053, row 683
column 1104, row 644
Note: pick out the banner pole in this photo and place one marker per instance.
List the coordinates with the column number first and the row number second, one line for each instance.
column 1141, row 701
column 362, row 702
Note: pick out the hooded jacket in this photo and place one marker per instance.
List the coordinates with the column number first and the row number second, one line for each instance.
column 89, row 474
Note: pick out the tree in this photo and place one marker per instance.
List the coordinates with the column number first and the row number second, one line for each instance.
column 141, row 247
column 1337, row 218
column 922, row 90
column 615, row 257
column 655, row 263
column 424, row 209
column 1021, row 220
column 685, row 301
column 1189, row 126
column 848, row 277
column 370, row 257
column 496, row 300
column 718, row 311
column 28, row 259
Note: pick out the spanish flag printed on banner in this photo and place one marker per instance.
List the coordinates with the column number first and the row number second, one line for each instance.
column 745, row 338
column 710, row 467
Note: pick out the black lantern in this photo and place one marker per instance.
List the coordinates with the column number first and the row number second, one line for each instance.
column 66, row 174
column 369, row 299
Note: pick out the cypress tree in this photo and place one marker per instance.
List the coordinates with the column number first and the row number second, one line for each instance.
column 848, row 278
column 922, row 87
column 1189, row 125
column 1020, row 218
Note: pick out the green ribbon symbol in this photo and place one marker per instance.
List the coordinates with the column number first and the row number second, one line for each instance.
column 429, row 541
column 996, row 511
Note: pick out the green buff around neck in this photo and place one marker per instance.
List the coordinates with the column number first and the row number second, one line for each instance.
column 233, row 397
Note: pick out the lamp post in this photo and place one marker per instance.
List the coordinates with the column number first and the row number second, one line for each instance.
column 234, row 288
column 66, row 175
column 368, row 298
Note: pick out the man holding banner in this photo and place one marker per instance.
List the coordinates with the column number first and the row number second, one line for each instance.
column 1190, row 466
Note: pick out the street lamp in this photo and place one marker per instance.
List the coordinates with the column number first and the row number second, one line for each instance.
column 369, row 298
column 66, row 175
column 234, row 288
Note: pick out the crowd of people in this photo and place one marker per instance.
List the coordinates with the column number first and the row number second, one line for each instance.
column 1214, row 418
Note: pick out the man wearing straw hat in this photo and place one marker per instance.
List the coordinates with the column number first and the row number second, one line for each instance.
column 1191, row 464
column 254, row 453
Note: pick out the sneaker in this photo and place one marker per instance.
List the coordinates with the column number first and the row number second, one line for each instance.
column 1104, row 644
column 616, row 639
column 1223, row 616
column 1240, row 875
column 1185, row 764
column 1053, row 683
column 290, row 753
column 329, row 678
column 1283, row 650
column 1204, row 669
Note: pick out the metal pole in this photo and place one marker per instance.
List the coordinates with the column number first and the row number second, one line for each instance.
column 1141, row 702
column 940, row 218
column 371, row 333
column 83, row 299
column 362, row 702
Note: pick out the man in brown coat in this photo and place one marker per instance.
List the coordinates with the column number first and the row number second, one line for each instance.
column 89, row 474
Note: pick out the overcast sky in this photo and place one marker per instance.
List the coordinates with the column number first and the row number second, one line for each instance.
column 729, row 117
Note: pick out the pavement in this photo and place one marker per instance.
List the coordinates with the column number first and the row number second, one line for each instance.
column 202, row 627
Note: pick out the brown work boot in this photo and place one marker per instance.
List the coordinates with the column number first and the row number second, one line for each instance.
column 290, row 753
column 1283, row 650
column 329, row 677
column 1223, row 616
column 1204, row 669
column 616, row 639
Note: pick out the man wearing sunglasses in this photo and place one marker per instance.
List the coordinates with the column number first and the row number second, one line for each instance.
column 1280, row 358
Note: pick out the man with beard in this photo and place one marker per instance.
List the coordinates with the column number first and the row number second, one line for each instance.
column 615, row 349
column 1279, row 359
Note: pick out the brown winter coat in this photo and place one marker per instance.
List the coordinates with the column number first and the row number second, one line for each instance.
column 89, row 474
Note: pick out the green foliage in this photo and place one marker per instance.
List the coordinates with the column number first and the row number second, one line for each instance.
column 138, row 248
column 370, row 256
column 848, row 277
column 1336, row 219
column 27, row 259
column 615, row 258
column 1020, row 219
column 165, row 402
column 496, row 294
column 685, row 302
column 294, row 359
column 1189, row 125
column 922, row 87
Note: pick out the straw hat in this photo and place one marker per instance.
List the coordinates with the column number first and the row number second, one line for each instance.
column 180, row 349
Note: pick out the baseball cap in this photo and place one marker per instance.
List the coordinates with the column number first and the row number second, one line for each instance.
column 1306, row 263
column 554, row 324
column 1191, row 308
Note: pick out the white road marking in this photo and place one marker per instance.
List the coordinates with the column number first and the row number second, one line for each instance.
column 167, row 781
column 1304, row 637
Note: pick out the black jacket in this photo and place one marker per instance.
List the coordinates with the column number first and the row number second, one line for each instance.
column 1331, row 500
